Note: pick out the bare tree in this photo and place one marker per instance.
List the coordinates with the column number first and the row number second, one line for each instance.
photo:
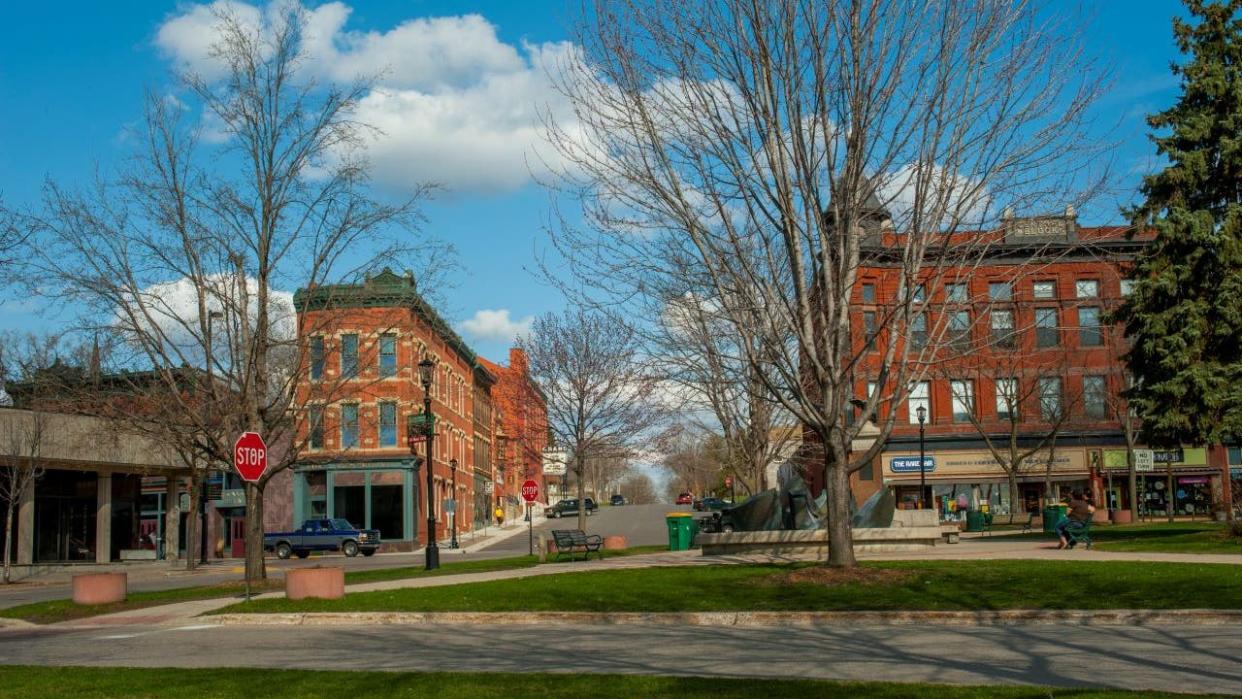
column 200, row 230
column 23, row 441
column 695, row 459
column 638, row 489
column 767, row 153
column 600, row 393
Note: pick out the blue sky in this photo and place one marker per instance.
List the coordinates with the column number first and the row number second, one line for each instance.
column 73, row 74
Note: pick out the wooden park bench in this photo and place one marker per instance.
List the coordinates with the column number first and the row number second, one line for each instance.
column 571, row 542
column 1078, row 533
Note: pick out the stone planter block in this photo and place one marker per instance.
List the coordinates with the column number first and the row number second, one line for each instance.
column 1100, row 516
column 612, row 543
column 315, row 583
column 99, row 588
column 1122, row 517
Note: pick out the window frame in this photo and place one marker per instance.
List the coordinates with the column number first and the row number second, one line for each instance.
column 1052, row 290
column 317, row 354
column 1007, row 408
column 345, row 425
column 1101, row 396
column 349, row 365
column 1090, row 335
column 1093, row 294
column 1007, row 288
column 1055, row 414
column 384, row 405
column 914, row 400
column 390, row 371
column 1042, row 331
column 963, row 403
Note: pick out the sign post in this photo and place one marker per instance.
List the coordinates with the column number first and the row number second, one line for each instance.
column 530, row 491
column 250, row 461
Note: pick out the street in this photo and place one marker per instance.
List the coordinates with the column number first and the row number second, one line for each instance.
column 642, row 524
column 1171, row 658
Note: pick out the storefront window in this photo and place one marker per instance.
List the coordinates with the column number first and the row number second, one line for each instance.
column 349, row 497
column 387, row 505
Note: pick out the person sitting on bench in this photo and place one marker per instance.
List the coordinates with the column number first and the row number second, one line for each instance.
column 1080, row 511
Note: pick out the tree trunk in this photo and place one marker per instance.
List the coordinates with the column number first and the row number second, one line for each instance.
column 1133, row 484
column 1014, row 495
column 193, row 520
column 8, row 544
column 255, row 566
column 840, row 535
column 582, row 511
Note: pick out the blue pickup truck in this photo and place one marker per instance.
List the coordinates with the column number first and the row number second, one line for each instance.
column 323, row 535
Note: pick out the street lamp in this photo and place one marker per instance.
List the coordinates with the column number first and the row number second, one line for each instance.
column 426, row 370
column 922, row 414
column 453, row 499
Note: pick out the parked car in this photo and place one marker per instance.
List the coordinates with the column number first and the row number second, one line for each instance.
column 616, row 500
column 567, row 507
column 711, row 504
column 720, row 521
column 323, row 535
column 685, row 499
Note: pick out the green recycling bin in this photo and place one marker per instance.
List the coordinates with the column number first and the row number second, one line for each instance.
column 974, row 521
column 1053, row 514
column 681, row 530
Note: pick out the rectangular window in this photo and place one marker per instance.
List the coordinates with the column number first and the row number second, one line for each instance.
column 388, row 424
column 1089, row 326
column 1127, row 287
column 920, row 396
column 869, row 329
column 1002, row 329
column 868, row 293
column 959, row 329
column 920, row 293
column 1087, row 289
column 1000, row 291
column 1050, row 399
column 349, row 356
column 1047, row 334
column 1045, row 290
column 1007, row 399
column 388, row 355
column 316, row 427
column 1094, row 395
column 316, row 358
column 963, row 400
column 918, row 332
column 956, row 293
column 349, row 426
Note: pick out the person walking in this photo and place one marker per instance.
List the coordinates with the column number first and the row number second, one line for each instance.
column 500, row 516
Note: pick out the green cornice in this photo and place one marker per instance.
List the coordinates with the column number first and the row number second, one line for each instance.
column 384, row 290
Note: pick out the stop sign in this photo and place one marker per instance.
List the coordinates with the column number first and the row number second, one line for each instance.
column 728, row 481
column 250, row 456
column 530, row 491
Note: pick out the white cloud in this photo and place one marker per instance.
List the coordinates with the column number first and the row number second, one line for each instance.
column 496, row 325
column 173, row 307
column 455, row 104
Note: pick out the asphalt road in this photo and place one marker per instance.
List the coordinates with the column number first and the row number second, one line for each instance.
column 643, row 524
column 1170, row 658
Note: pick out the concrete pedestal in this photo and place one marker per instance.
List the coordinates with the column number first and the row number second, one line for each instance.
column 1122, row 516
column 99, row 588
column 317, row 583
column 614, row 543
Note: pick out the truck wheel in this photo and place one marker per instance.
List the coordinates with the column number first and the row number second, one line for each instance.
column 303, row 554
column 350, row 548
column 283, row 551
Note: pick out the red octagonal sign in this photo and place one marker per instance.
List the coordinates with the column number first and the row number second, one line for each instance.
column 250, row 456
column 530, row 491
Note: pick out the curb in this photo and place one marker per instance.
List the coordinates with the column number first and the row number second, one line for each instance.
column 1014, row 617
column 16, row 624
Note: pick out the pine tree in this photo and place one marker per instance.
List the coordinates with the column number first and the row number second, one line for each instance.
column 1184, row 316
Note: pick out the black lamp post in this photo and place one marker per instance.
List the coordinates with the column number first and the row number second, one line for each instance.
column 922, row 414
column 426, row 370
column 453, row 499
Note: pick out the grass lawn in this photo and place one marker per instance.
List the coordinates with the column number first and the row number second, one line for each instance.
column 54, row 611
column 81, row 682
column 932, row 585
column 1159, row 537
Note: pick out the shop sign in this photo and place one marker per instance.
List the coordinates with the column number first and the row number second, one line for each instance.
column 1193, row 480
column 910, row 464
column 1168, row 456
column 1182, row 456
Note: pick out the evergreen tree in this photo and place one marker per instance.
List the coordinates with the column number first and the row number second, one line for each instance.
column 1184, row 316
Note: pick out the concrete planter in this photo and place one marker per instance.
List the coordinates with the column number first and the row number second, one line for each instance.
column 315, row 583
column 1122, row 516
column 1099, row 517
column 612, row 543
column 99, row 588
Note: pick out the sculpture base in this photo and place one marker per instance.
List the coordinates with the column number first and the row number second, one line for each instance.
column 99, row 588
column 315, row 583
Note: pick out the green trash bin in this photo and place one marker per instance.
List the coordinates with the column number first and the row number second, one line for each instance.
column 681, row 530
column 1053, row 514
column 974, row 521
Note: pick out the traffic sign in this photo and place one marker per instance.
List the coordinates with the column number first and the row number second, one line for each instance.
column 250, row 456
column 1144, row 460
column 728, row 481
column 530, row 491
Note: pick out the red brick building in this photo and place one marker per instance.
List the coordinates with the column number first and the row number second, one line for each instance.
column 522, row 431
column 1020, row 356
column 362, row 391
